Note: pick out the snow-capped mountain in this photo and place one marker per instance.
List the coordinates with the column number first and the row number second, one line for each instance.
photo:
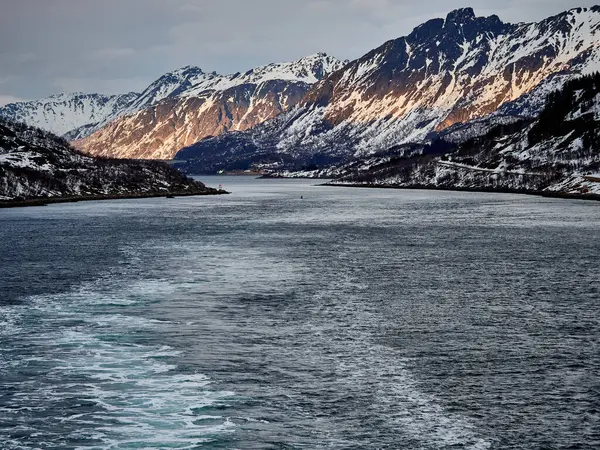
column 191, row 81
column 186, row 105
column 557, row 153
column 447, row 71
column 64, row 113
column 35, row 164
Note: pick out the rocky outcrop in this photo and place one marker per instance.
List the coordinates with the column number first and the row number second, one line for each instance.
column 37, row 165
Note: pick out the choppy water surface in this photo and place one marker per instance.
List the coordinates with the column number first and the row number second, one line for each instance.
column 348, row 319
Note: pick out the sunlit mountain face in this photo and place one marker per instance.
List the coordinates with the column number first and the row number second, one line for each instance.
column 459, row 68
column 176, row 110
column 447, row 71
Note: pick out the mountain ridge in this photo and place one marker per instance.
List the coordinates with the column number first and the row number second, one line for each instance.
column 447, row 71
column 182, row 112
column 557, row 153
column 65, row 115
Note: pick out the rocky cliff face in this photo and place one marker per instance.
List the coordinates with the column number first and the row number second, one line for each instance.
column 160, row 131
column 446, row 71
column 188, row 105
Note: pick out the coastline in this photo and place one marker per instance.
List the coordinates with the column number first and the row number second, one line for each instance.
column 547, row 194
column 21, row 203
column 282, row 177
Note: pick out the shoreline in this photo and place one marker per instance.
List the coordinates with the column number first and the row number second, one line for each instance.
column 546, row 194
column 281, row 177
column 22, row 203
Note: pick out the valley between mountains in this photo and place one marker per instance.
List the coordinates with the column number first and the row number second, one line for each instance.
column 462, row 102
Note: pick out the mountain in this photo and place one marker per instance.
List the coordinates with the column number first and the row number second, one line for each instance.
column 447, row 71
column 35, row 164
column 65, row 113
column 191, row 81
column 557, row 153
column 187, row 105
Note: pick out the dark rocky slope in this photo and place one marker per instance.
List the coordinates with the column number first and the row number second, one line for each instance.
column 35, row 165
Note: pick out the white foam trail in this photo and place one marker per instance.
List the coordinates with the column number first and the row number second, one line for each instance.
column 140, row 399
column 428, row 420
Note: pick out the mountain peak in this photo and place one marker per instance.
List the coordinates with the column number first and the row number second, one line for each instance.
column 308, row 69
column 187, row 71
column 319, row 55
column 461, row 15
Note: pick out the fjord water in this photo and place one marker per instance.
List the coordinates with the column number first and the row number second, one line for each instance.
column 345, row 319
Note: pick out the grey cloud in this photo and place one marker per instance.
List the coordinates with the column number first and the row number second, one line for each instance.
column 113, row 53
column 123, row 45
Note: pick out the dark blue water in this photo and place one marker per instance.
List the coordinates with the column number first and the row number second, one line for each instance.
column 348, row 319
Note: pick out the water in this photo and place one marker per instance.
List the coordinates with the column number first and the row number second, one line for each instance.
column 346, row 319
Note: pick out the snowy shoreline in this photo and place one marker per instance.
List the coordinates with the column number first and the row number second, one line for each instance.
column 20, row 203
column 548, row 194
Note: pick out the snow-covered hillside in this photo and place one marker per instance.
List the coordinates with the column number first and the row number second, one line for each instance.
column 63, row 113
column 35, row 164
column 187, row 105
column 559, row 152
column 447, row 71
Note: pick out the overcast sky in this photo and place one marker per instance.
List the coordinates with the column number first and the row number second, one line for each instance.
column 113, row 46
